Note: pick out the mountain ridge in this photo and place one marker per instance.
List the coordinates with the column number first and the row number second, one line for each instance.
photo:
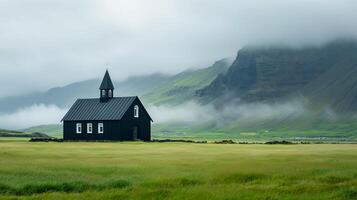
column 260, row 75
column 145, row 86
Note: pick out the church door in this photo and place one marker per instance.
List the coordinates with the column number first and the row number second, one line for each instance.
column 135, row 133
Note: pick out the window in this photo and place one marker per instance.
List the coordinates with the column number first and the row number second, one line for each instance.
column 136, row 111
column 103, row 93
column 89, row 128
column 110, row 93
column 78, row 128
column 101, row 128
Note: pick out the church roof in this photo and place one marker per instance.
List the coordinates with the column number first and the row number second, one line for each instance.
column 93, row 109
column 107, row 83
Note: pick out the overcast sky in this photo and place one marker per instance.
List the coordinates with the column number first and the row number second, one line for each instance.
column 47, row 43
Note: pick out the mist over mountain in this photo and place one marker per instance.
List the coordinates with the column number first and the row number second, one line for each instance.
column 64, row 97
column 266, row 89
column 321, row 74
column 276, row 91
column 154, row 89
column 45, row 44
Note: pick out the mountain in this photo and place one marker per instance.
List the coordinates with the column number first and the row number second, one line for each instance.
column 54, row 130
column 282, row 91
column 183, row 86
column 266, row 92
column 154, row 89
column 337, row 87
column 326, row 74
column 64, row 97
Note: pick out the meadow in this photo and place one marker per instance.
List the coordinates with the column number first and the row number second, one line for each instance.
column 135, row 170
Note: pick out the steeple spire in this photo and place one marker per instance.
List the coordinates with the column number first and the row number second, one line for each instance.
column 107, row 83
column 106, row 88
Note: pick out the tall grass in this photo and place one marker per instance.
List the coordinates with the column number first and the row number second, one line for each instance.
column 66, row 187
column 176, row 171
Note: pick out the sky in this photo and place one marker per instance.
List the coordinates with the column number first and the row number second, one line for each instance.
column 49, row 43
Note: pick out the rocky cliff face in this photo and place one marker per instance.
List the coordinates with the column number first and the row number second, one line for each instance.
column 270, row 74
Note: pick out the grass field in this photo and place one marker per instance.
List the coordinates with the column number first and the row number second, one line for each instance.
column 176, row 171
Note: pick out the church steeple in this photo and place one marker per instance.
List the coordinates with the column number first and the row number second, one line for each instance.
column 106, row 88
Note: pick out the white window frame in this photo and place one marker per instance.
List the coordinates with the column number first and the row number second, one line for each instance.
column 136, row 111
column 89, row 128
column 100, row 125
column 110, row 93
column 78, row 128
column 103, row 93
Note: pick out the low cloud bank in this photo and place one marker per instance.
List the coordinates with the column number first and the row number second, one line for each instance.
column 31, row 116
column 194, row 113
column 190, row 113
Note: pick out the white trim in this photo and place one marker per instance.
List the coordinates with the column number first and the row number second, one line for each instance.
column 136, row 111
column 89, row 128
column 78, row 128
column 100, row 128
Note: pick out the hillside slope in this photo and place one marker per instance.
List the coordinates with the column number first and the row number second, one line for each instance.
column 268, row 92
column 336, row 89
column 183, row 86
column 154, row 89
column 64, row 97
column 272, row 74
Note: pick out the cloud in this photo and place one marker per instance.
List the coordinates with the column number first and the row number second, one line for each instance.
column 190, row 112
column 194, row 113
column 37, row 114
column 51, row 43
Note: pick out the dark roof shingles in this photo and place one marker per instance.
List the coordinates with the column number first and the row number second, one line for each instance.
column 93, row 109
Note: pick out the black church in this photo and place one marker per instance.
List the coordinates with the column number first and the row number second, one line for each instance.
column 107, row 117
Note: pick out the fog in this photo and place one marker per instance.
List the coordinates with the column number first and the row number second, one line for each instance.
column 189, row 113
column 31, row 116
column 52, row 43
column 193, row 113
column 46, row 44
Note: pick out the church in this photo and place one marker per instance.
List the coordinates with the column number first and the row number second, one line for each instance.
column 107, row 117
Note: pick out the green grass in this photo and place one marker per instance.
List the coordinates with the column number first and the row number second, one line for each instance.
column 15, row 139
column 340, row 131
column 13, row 134
column 176, row 171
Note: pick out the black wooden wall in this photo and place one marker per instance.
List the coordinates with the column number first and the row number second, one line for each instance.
column 120, row 130
column 143, row 122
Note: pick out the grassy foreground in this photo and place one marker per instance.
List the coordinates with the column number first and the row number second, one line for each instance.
column 176, row 171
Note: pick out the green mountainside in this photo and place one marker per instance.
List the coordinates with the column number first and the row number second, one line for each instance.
column 322, row 80
column 55, row 130
column 336, row 88
column 271, row 74
column 183, row 86
column 154, row 89
column 64, row 97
